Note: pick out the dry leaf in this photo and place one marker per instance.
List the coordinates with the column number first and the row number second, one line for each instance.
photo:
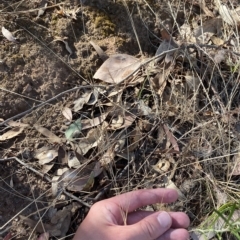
column 11, row 133
column 46, row 168
column 51, row 136
column 8, row 35
column 217, row 41
column 94, row 137
column 67, row 113
column 78, row 104
column 122, row 122
column 45, row 155
column 89, row 123
column 73, row 162
column 17, row 124
column 171, row 138
column 117, row 67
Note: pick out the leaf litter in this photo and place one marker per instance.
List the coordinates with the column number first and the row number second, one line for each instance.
column 151, row 123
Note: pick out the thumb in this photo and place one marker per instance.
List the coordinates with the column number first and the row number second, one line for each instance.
column 151, row 227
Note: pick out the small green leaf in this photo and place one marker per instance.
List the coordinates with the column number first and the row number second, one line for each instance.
column 73, row 130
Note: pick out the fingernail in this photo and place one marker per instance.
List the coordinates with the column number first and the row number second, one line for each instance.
column 164, row 219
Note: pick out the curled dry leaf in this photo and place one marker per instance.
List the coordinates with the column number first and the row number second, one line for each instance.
column 8, row 35
column 11, row 133
column 117, row 68
column 67, row 113
column 51, row 136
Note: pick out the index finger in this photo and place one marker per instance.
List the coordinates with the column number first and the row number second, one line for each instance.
column 133, row 200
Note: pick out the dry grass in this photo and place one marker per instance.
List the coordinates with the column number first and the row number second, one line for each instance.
column 189, row 136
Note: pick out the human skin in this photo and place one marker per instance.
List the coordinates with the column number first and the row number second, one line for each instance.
column 105, row 220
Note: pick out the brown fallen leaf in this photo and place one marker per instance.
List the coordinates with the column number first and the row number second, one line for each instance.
column 11, row 133
column 117, row 67
column 67, row 113
column 45, row 155
column 51, row 136
column 171, row 138
column 89, row 123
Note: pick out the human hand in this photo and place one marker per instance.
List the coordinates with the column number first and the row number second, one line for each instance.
column 119, row 218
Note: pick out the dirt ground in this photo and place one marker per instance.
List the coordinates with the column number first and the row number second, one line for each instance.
column 52, row 53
